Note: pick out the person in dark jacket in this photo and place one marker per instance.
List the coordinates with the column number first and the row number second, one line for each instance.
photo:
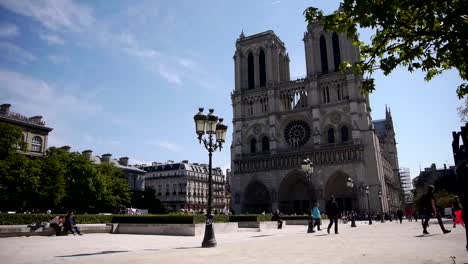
column 400, row 215
column 429, row 209
column 333, row 213
column 277, row 217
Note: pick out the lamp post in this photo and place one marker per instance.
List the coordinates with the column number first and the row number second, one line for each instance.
column 389, row 203
column 308, row 168
column 350, row 184
column 368, row 204
column 209, row 125
column 382, row 220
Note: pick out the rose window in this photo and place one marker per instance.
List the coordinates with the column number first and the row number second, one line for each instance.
column 297, row 133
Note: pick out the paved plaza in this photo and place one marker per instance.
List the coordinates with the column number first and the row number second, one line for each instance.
column 378, row 243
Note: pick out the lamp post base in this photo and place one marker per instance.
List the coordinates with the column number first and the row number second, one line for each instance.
column 209, row 240
column 353, row 221
column 310, row 226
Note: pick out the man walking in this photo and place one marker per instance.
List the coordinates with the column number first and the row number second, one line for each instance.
column 316, row 216
column 429, row 208
column 332, row 212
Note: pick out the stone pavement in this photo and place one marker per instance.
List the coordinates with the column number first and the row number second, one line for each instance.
column 378, row 243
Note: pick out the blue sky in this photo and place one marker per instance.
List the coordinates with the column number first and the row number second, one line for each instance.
column 126, row 78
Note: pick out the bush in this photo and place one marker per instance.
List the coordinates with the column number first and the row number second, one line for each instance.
column 249, row 218
column 25, row 219
column 294, row 217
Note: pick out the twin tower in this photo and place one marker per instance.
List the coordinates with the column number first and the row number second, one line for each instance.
column 278, row 122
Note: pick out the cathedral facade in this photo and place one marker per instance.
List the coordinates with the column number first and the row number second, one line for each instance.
column 278, row 122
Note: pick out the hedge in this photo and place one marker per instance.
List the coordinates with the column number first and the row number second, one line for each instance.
column 25, row 219
column 249, row 218
column 174, row 218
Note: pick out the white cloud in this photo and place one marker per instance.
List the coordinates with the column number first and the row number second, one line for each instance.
column 38, row 97
column 275, row 2
column 58, row 59
column 8, row 30
column 53, row 14
column 52, row 39
column 168, row 146
column 11, row 52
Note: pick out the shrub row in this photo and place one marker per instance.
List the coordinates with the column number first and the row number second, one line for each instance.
column 24, row 219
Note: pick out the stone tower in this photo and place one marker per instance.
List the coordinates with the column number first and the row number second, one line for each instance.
column 278, row 122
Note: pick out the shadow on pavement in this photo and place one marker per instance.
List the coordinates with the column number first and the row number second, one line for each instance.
column 151, row 249
column 186, row 247
column 92, row 254
column 322, row 235
column 427, row 235
column 262, row 236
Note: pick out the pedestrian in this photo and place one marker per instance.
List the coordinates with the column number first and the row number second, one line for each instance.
column 277, row 217
column 333, row 213
column 400, row 215
column 70, row 223
column 429, row 207
column 409, row 214
column 57, row 224
column 457, row 211
column 316, row 216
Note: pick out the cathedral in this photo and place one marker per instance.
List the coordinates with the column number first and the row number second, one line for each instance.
column 279, row 122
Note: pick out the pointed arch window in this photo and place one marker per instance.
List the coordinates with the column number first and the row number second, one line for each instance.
column 336, row 51
column 265, row 144
column 253, row 145
column 36, row 144
column 323, row 54
column 344, row 134
column 262, row 68
column 331, row 135
column 251, row 71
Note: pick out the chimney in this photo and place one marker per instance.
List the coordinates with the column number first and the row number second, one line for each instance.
column 123, row 161
column 87, row 153
column 445, row 166
column 66, row 148
column 106, row 157
column 36, row 119
column 433, row 166
column 185, row 161
column 5, row 109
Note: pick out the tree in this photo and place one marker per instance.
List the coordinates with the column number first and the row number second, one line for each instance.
column 427, row 35
column 463, row 111
column 116, row 193
column 11, row 140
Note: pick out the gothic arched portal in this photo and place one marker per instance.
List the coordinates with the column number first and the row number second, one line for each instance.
column 257, row 198
column 294, row 194
column 345, row 196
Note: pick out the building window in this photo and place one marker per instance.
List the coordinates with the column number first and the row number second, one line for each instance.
column 262, row 68
column 265, row 144
column 326, row 94
column 253, row 145
column 251, row 71
column 331, row 135
column 336, row 51
column 323, row 54
column 344, row 134
column 36, row 144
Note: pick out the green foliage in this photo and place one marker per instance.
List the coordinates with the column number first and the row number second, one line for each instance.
column 426, row 35
column 444, row 199
column 147, row 200
column 25, row 219
column 11, row 140
column 249, row 218
column 295, row 217
column 59, row 181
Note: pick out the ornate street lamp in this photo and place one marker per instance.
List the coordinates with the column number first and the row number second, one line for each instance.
column 389, row 202
column 210, row 125
column 350, row 184
column 382, row 220
column 368, row 204
column 308, row 168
